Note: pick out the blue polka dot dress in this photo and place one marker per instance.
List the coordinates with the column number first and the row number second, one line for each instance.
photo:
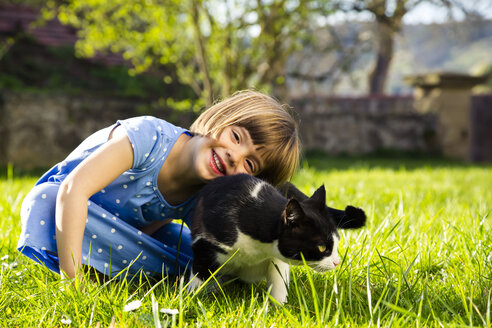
column 112, row 240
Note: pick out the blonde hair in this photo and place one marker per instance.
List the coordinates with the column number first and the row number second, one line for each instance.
column 269, row 124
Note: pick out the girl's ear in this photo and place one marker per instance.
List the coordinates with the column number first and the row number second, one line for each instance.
column 353, row 218
column 293, row 212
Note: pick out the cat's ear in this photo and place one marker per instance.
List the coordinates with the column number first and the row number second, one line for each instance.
column 293, row 212
column 319, row 196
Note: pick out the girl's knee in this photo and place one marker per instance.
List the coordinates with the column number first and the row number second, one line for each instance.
column 174, row 234
column 38, row 237
column 40, row 201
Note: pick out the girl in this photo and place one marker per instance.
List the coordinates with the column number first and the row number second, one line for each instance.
column 110, row 203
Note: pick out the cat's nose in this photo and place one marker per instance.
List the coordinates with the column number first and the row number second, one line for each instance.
column 336, row 262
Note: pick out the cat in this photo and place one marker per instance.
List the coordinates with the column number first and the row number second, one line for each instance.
column 250, row 226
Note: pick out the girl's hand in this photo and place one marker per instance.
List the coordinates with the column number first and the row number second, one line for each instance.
column 154, row 226
column 93, row 174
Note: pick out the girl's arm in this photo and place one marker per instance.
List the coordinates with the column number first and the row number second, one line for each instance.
column 93, row 174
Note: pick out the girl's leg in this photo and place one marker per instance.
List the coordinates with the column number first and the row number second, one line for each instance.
column 38, row 238
column 110, row 245
column 177, row 236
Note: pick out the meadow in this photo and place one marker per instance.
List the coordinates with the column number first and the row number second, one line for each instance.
column 423, row 260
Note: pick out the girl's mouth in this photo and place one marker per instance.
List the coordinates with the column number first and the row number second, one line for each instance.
column 216, row 164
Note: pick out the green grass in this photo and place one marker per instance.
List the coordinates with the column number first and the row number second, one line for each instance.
column 424, row 260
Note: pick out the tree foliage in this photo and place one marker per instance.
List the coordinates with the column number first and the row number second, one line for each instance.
column 217, row 46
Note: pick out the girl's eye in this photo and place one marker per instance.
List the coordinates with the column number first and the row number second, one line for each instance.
column 236, row 136
column 251, row 165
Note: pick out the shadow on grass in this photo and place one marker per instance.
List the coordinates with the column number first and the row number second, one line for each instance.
column 388, row 159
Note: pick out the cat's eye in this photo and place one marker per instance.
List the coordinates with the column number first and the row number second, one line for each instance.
column 321, row 248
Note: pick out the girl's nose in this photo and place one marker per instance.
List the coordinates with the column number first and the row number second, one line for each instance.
column 233, row 161
column 235, row 156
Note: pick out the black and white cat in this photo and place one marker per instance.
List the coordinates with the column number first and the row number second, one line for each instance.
column 247, row 223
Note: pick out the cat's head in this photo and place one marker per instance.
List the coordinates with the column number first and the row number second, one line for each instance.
column 309, row 231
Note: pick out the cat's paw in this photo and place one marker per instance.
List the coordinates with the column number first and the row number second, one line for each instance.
column 278, row 279
column 279, row 296
column 194, row 283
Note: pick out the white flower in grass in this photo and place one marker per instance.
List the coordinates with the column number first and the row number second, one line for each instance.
column 132, row 306
column 10, row 265
column 170, row 311
column 65, row 320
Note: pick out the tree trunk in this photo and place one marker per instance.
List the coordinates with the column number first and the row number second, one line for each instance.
column 201, row 54
column 384, row 55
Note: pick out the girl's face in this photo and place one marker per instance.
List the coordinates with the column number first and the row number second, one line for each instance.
column 232, row 152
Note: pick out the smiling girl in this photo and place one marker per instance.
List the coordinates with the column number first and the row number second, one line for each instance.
column 110, row 203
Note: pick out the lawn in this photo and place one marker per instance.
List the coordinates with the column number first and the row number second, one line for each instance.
column 424, row 259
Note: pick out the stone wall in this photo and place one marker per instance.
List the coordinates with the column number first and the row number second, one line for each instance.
column 40, row 130
column 364, row 124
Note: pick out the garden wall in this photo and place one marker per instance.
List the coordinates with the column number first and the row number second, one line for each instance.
column 38, row 130
column 365, row 124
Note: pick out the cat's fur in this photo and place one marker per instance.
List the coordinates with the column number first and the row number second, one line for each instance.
column 249, row 224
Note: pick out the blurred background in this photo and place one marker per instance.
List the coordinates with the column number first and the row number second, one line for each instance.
column 368, row 76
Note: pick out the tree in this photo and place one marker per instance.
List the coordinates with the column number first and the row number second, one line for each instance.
column 216, row 46
column 7, row 42
column 331, row 58
column 388, row 16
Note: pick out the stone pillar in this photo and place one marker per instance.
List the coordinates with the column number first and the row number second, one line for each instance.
column 448, row 96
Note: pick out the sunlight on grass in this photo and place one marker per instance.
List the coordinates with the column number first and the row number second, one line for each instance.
column 424, row 259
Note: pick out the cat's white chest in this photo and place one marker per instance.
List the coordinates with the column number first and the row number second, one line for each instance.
column 248, row 258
